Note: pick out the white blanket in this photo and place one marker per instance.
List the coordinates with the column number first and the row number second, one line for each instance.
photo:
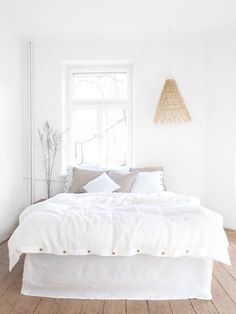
column 120, row 224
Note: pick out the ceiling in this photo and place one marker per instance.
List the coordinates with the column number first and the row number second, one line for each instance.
column 118, row 18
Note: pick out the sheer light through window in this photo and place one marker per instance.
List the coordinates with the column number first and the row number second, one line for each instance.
column 99, row 115
column 100, row 85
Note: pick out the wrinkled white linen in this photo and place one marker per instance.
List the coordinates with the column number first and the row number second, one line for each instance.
column 138, row 277
column 120, row 224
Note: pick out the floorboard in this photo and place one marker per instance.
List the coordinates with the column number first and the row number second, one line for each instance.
column 232, row 268
column 225, row 280
column 92, row 307
column 114, row 307
column 159, row 307
column 9, row 278
column 182, row 306
column 223, row 291
column 48, row 306
column 204, row 307
column 72, row 307
column 221, row 299
column 11, row 296
column 136, row 307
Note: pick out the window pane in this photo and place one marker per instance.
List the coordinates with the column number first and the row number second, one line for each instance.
column 105, row 85
column 84, row 131
column 115, row 137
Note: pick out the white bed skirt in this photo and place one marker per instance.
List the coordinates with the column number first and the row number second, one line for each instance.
column 137, row 277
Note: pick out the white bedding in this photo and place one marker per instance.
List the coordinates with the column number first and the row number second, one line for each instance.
column 139, row 277
column 120, row 224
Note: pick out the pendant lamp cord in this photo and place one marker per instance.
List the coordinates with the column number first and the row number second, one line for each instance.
column 170, row 52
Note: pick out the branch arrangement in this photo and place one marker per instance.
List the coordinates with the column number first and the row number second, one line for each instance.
column 51, row 142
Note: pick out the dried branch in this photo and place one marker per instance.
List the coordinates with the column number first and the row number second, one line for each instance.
column 51, row 142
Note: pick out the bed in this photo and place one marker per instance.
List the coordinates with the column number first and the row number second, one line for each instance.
column 119, row 246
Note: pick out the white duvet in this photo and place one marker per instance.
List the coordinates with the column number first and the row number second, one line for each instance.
column 120, row 224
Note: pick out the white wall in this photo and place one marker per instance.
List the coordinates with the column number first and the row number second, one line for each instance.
column 11, row 130
column 221, row 127
column 181, row 148
column 194, row 155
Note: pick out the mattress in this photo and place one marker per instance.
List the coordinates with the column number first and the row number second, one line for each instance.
column 134, row 277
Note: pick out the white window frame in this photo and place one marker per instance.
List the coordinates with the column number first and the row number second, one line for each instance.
column 71, row 104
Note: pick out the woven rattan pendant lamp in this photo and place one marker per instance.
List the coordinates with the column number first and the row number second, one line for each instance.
column 171, row 107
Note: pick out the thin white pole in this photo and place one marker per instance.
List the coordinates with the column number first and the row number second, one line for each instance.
column 31, row 123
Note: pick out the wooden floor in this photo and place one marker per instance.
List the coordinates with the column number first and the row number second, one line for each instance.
column 223, row 289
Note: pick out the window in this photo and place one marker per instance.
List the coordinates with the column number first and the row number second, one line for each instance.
column 98, row 108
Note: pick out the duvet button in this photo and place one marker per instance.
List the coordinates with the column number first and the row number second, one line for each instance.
column 41, row 249
column 113, row 253
column 64, row 251
column 163, row 253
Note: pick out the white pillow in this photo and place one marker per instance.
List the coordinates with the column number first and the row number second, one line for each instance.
column 148, row 182
column 103, row 183
column 69, row 173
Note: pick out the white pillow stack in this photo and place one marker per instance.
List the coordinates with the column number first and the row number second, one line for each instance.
column 101, row 184
column 148, row 182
